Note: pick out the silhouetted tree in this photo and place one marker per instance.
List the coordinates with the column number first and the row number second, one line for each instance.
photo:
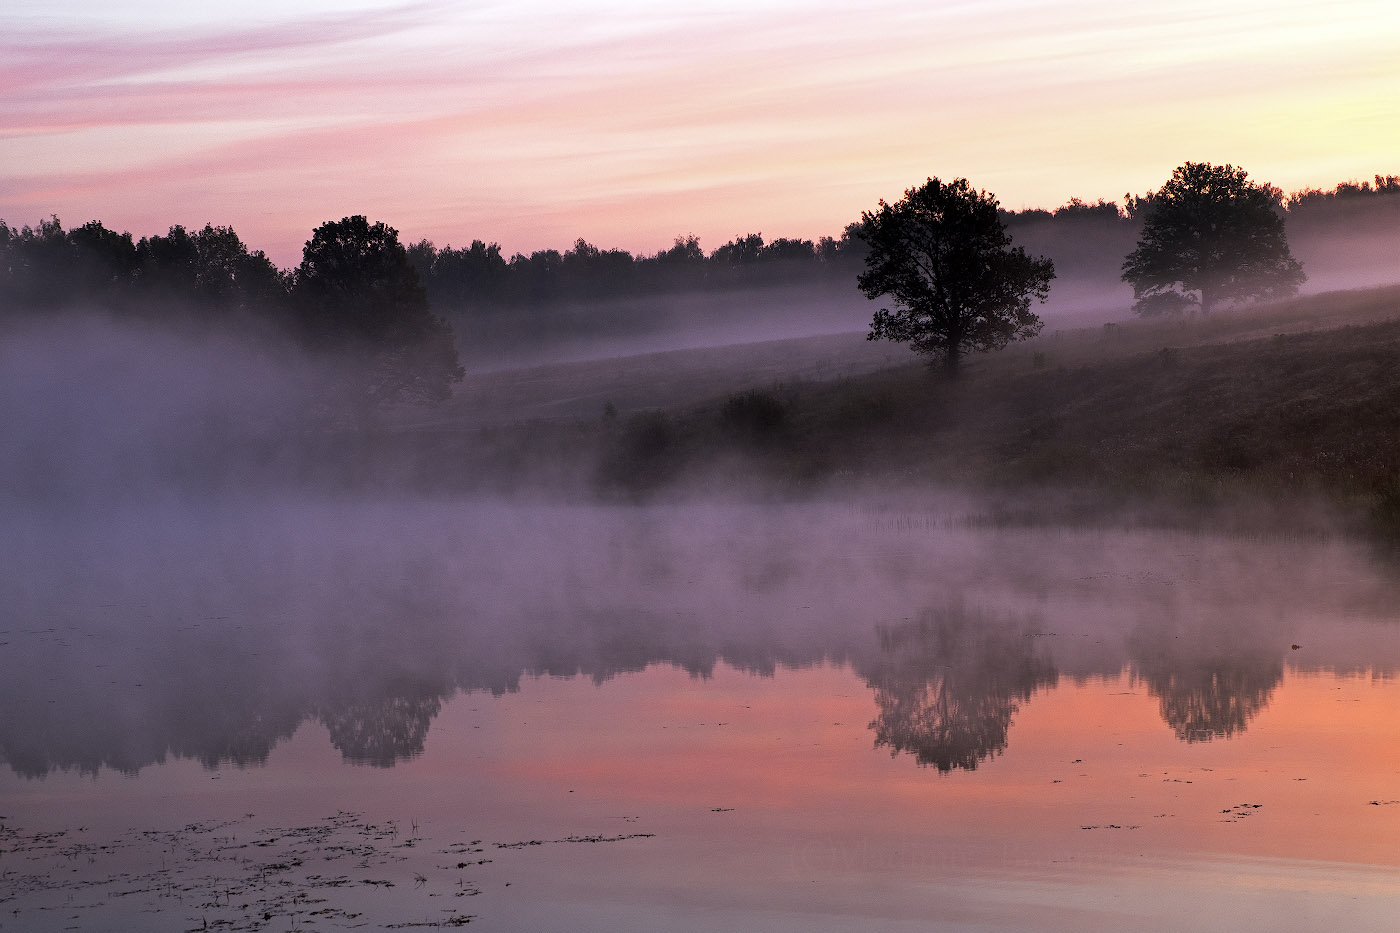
column 106, row 261
column 942, row 254
column 590, row 272
column 844, row 254
column 357, row 293
column 535, row 278
column 38, row 265
column 681, row 267
column 474, row 278
column 1386, row 185
column 1212, row 231
column 211, row 270
column 169, row 266
column 229, row 274
column 741, row 251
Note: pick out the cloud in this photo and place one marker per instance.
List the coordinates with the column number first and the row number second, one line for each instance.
column 611, row 120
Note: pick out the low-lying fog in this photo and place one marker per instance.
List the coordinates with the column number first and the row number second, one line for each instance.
column 191, row 567
column 1347, row 252
column 212, row 631
column 702, row 321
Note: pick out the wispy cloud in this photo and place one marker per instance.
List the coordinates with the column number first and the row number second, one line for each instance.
column 536, row 122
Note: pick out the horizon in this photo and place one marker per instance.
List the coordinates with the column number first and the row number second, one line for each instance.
column 542, row 124
column 573, row 241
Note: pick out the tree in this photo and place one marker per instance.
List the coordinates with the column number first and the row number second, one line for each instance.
column 1211, row 231
column 357, row 293
column 105, row 262
column 944, row 257
column 211, row 271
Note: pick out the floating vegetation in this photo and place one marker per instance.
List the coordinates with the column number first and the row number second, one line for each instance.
column 232, row 875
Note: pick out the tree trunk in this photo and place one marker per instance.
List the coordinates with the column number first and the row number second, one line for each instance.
column 1206, row 301
column 952, row 360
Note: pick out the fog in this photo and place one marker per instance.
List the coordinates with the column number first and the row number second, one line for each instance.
column 592, row 331
column 205, row 550
column 99, row 412
column 1348, row 251
column 1343, row 249
column 212, row 631
column 247, row 627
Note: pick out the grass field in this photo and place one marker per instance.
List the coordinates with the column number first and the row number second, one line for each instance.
column 1294, row 405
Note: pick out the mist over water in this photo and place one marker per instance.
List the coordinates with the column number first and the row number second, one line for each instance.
column 212, row 630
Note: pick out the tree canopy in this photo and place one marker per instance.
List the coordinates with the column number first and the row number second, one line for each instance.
column 357, row 292
column 943, row 256
column 1212, row 232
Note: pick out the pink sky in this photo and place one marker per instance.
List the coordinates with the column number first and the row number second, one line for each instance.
column 627, row 123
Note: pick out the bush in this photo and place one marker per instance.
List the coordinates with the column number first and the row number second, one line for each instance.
column 643, row 455
column 754, row 413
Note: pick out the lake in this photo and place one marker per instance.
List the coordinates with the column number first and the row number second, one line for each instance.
column 276, row 714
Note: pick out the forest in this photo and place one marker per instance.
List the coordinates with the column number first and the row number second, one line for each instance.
column 212, row 272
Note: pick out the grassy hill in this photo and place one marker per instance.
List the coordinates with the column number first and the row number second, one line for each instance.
column 1292, row 403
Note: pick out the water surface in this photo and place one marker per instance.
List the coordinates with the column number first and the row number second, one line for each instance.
column 293, row 714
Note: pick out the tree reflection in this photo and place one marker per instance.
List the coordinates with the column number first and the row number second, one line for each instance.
column 382, row 731
column 1204, row 695
column 948, row 684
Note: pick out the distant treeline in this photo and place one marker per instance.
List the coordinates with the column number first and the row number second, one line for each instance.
column 46, row 267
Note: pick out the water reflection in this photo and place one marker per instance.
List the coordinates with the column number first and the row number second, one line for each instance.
column 216, row 645
column 947, row 684
column 1204, row 693
column 384, row 731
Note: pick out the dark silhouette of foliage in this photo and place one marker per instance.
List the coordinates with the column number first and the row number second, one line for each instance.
column 1385, row 185
column 943, row 255
column 1212, row 231
column 210, row 272
column 474, row 278
column 754, row 414
column 1164, row 303
column 39, row 266
column 356, row 292
column 104, row 260
column 211, row 269
column 743, row 250
column 169, row 265
column 645, row 454
column 590, row 272
column 680, row 268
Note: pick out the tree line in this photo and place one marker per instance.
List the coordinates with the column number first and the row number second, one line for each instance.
column 211, row 271
column 354, row 297
column 943, row 255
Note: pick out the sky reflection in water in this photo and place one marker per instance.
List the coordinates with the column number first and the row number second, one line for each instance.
column 777, row 715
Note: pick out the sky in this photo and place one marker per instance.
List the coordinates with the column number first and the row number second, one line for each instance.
column 628, row 123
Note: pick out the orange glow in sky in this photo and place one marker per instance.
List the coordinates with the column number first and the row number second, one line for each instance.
column 533, row 124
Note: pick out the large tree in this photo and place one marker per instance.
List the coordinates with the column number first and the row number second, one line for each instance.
column 357, row 293
column 943, row 256
column 1210, row 234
